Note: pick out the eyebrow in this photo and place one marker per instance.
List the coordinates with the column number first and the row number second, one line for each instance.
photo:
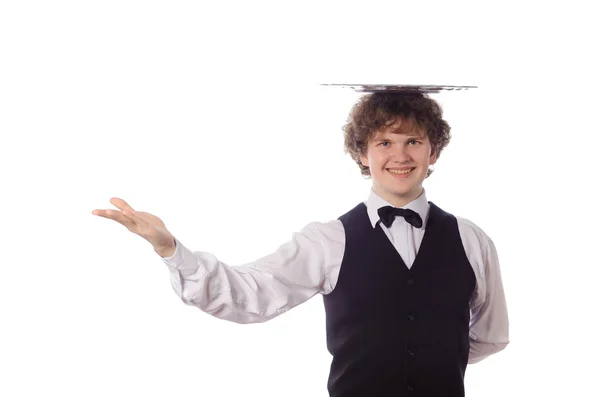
column 409, row 136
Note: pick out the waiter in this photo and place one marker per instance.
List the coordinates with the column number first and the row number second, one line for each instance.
column 412, row 293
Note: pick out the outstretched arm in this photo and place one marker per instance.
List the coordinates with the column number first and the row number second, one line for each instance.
column 263, row 289
column 251, row 293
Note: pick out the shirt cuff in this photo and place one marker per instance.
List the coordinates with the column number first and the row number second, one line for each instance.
column 182, row 258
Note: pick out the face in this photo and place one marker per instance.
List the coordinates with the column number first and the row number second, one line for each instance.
column 391, row 155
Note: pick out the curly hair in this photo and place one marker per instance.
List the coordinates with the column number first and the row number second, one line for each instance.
column 374, row 112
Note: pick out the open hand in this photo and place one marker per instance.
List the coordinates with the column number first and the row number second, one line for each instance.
column 148, row 226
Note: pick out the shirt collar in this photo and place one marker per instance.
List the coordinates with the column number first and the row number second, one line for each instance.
column 420, row 205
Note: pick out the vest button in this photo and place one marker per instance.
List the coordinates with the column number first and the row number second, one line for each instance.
column 410, row 281
column 410, row 388
column 411, row 317
column 411, row 352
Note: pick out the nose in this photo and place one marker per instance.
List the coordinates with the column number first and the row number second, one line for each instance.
column 400, row 154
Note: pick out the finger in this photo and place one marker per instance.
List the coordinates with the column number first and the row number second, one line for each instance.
column 115, row 216
column 120, row 204
column 134, row 217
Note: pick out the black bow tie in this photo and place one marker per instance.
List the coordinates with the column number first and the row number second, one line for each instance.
column 388, row 214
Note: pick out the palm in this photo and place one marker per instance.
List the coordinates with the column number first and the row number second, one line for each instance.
column 144, row 224
column 151, row 219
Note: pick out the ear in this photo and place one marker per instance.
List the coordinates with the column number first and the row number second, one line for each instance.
column 364, row 160
column 432, row 158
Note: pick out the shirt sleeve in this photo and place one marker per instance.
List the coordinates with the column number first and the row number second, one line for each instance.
column 263, row 289
column 489, row 317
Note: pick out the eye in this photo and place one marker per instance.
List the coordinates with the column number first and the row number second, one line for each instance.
column 383, row 143
column 413, row 140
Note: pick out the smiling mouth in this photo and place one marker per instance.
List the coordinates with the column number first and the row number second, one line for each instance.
column 401, row 172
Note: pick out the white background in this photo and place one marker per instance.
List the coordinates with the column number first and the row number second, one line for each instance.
column 212, row 118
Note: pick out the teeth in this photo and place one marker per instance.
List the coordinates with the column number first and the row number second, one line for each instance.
column 400, row 172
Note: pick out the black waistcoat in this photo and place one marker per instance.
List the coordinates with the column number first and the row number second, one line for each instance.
column 395, row 331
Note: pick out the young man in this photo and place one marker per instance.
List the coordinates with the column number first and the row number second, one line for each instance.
column 411, row 293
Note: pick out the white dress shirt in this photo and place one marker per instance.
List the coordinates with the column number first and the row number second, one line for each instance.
column 309, row 264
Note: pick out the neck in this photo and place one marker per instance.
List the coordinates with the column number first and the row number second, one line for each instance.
column 399, row 200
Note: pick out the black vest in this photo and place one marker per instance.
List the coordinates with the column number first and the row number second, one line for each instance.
column 395, row 331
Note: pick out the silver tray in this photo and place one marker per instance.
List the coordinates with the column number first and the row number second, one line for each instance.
column 400, row 88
